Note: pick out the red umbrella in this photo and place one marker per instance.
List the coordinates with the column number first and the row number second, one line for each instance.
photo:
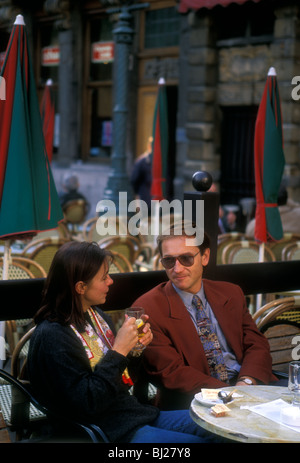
column 160, row 144
column 269, row 162
column 48, row 116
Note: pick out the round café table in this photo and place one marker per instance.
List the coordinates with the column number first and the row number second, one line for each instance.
column 243, row 425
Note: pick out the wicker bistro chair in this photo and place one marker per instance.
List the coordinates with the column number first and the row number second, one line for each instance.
column 24, row 415
column 75, row 213
column 245, row 251
column 156, row 263
column 225, row 239
column 16, row 270
column 35, row 269
column 291, row 251
column 120, row 264
column 279, row 320
column 28, row 419
column 20, row 268
column 127, row 245
column 61, row 231
column 287, row 308
column 43, row 251
column 90, row 231
column 144, row 258
column 277, row 247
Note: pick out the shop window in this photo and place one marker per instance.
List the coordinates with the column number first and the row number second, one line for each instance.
column 162, row 28
column 237, row 153
column 101, row 124
column 237, row 24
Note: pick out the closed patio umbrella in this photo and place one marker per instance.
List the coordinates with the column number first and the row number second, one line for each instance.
column 28, row 198
column 269, row 165
column 269, row 162
column 160, row 144
column 159, row 154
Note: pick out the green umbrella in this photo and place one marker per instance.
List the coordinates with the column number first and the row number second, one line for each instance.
column 269, row 162
column 29, row 201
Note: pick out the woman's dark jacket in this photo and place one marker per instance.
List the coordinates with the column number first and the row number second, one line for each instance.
column 62, row 379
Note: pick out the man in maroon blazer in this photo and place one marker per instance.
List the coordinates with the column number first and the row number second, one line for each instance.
column 176, row 360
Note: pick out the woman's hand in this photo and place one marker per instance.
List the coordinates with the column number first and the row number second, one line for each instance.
column 127, row 336
column 147, row 333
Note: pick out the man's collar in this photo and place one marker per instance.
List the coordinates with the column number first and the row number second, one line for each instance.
column 187, row 297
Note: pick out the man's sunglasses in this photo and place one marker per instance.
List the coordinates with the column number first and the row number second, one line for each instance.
column 187, row 260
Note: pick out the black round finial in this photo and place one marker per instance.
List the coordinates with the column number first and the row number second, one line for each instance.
column 202, row 181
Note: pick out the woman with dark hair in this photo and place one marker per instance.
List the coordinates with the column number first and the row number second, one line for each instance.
column 79, row 367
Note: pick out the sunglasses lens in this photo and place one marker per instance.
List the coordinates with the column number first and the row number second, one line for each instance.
column 185, row 260
column 168, row 262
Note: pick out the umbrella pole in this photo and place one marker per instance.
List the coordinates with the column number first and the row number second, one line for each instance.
column 156, row 225
column 6, row 259
column 2, row 344
column 261, row 258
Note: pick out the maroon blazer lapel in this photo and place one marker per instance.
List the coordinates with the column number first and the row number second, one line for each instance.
column 184, row 331
column 224, row 310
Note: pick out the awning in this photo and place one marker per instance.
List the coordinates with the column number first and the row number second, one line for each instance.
column 186, row 5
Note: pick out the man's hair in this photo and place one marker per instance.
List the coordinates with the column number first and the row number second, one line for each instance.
column 183, row 228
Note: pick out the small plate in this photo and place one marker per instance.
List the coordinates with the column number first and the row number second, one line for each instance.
column 212, row 402
column 207, row 402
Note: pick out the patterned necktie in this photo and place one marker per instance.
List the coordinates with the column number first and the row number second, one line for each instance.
column 210, row 342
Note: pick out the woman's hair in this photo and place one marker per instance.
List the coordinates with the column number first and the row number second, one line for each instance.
column 183, row 228
column 73, row 262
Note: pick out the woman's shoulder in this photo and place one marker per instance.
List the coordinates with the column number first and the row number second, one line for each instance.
column 50, row 333
column 48, row 327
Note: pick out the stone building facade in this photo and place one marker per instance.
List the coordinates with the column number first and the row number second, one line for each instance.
column 232, row 73
column 215, row 77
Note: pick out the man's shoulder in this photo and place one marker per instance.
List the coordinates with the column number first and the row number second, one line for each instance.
column 221, row 286
column 219, row 283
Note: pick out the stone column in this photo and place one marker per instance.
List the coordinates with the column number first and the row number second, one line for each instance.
column 286, row 52
column 68, row 89
column 201, row 97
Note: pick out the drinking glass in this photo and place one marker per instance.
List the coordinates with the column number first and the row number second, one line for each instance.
column 294, row 382
column 137, row 313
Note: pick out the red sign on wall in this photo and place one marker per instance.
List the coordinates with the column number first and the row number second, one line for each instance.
column 50, row 56
column 102, row 52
